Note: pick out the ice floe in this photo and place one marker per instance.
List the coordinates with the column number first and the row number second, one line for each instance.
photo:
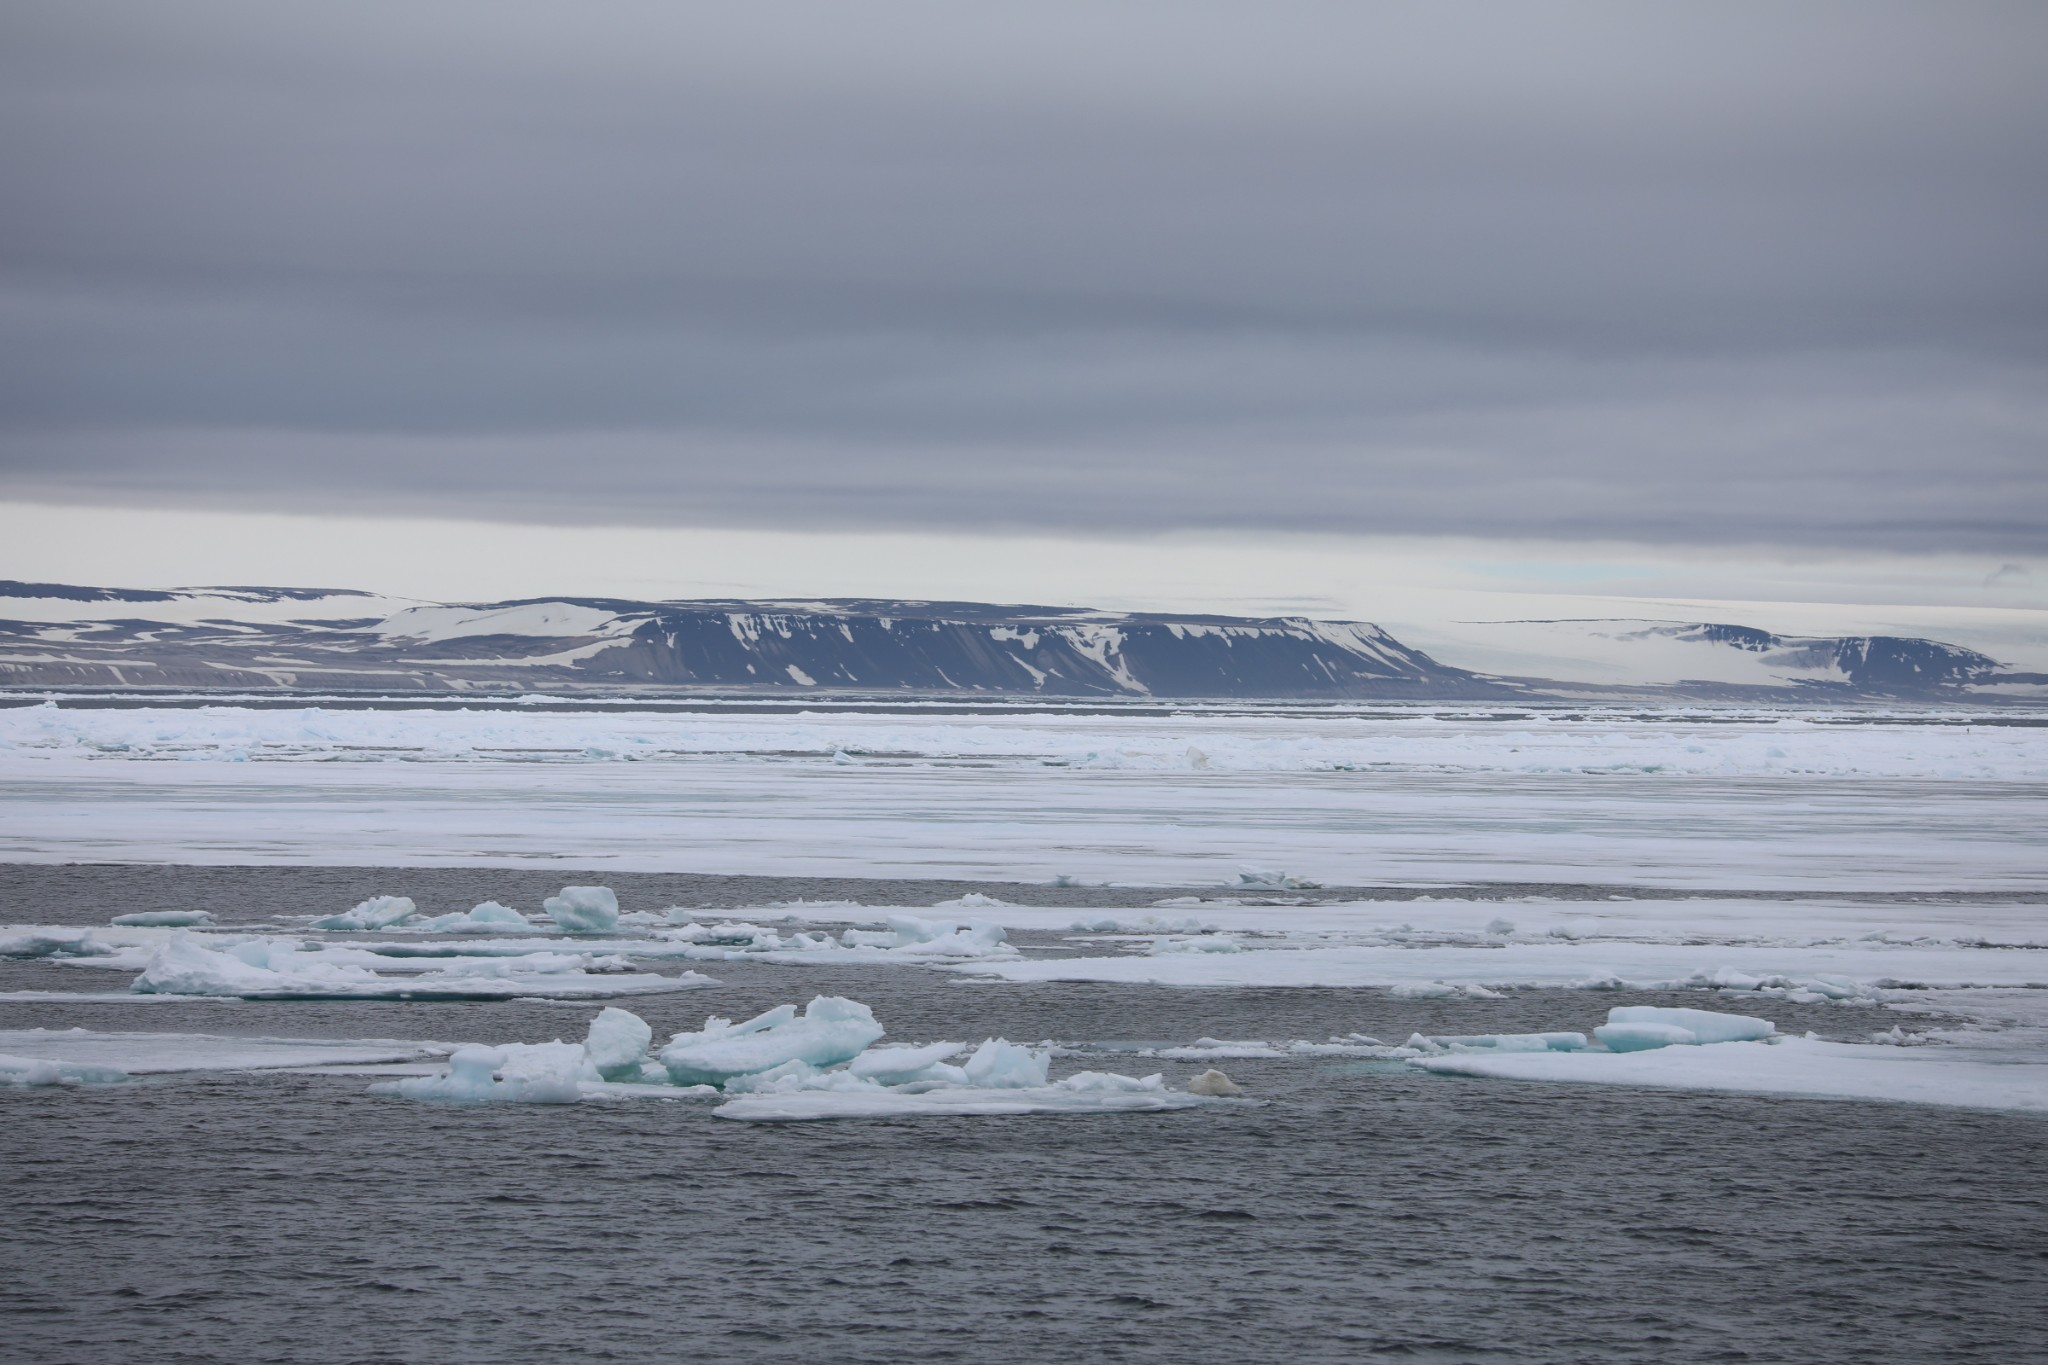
column 378, row 912
column 584, row 909
column 617, row 1044
column 907, row 938
column 1426, row 796
column 151, row 1053
column 1692, row 1049
column 787, row 1064
column 1214, row 1082
column 487, row 918
column 41, row 1071
column 517, row 1074
column 1451, row 920
column 829, row 1030
column 1638, row 1028
column 1802, row 1067
column 55, row 943
column 1870, row 972
column 899, row 1065
column 1501, row 1042
column 163, row 919
column 1730, row 742
column 260, row 971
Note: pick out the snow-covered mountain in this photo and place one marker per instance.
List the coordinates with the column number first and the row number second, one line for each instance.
column 1713, row 659
column 59, row 636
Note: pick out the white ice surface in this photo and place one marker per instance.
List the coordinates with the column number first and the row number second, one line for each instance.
column 780, row 1065
column 378, row 912
column 184, row 966
column 584, row 909
column 40, row 1072
column 1563, row 963
column 1688, row 1027
column 830, row 1030
column 1974, row 1079
column 1719, row 742
column 1779, row 918
column 617, row 1042
column 1764, row 800
column 907, row 938
column 144, row 1053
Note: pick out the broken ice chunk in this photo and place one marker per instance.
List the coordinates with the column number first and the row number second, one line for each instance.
column 162, row 919
column 895, row 1065
column 617, row 1042
column 829, row 1031
column 1638, row 1028
column 473, row 1077
column 584, row 909
column 378, row 912
column 1001, row 1064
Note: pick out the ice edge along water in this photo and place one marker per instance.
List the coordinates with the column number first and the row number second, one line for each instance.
column 1406, row 961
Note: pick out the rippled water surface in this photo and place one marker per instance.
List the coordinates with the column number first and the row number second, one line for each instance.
column 1361, row 1210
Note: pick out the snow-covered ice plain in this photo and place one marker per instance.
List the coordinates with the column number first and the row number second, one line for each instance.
column 1453, row 1033
column 1782, row 800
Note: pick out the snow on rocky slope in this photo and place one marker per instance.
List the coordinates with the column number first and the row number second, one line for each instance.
column 58, row 636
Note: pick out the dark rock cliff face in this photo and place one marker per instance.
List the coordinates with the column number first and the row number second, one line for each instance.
column 923, row 647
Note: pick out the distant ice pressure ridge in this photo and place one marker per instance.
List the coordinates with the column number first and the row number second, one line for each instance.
column 279, row 639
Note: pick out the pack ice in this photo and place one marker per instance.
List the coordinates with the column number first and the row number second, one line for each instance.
column 260, row 969
column 819, row 1062
column 1689, row 1049
column 42, row 1071
column 908, row 938
column 575, row 910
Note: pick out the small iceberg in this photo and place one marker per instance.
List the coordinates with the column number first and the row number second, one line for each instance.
column 487, row 918
column 1639, row 1028
column 829, row 1031
column 55, row 943
column 378, row 912
column 40, row 1071
column 584, row 909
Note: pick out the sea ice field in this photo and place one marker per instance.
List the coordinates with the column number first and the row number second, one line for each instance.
column 1427, row 1034
column 1692, row 798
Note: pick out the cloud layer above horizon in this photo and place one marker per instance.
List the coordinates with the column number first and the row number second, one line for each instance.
column 1740, row 272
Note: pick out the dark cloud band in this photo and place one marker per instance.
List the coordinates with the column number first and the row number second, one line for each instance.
column 1714, row 272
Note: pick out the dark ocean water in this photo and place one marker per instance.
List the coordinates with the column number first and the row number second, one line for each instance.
column 1362, row 1211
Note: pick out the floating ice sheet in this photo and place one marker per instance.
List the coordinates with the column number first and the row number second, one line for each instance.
column 830, row 1030
column 1791, row 1066
column 183, row 967
column 143, row 1053
column 54, row 942
column 785, row 1064
column 1440, row 794
column 1843, row 971
column 378, row 912
column 40, row 1071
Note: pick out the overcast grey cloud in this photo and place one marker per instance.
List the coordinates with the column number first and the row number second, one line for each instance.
column 1713, row 272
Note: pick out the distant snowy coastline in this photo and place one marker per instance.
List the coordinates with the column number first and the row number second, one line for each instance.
column 285, row 640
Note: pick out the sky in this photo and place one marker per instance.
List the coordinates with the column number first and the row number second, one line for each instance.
column 1180, row 304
